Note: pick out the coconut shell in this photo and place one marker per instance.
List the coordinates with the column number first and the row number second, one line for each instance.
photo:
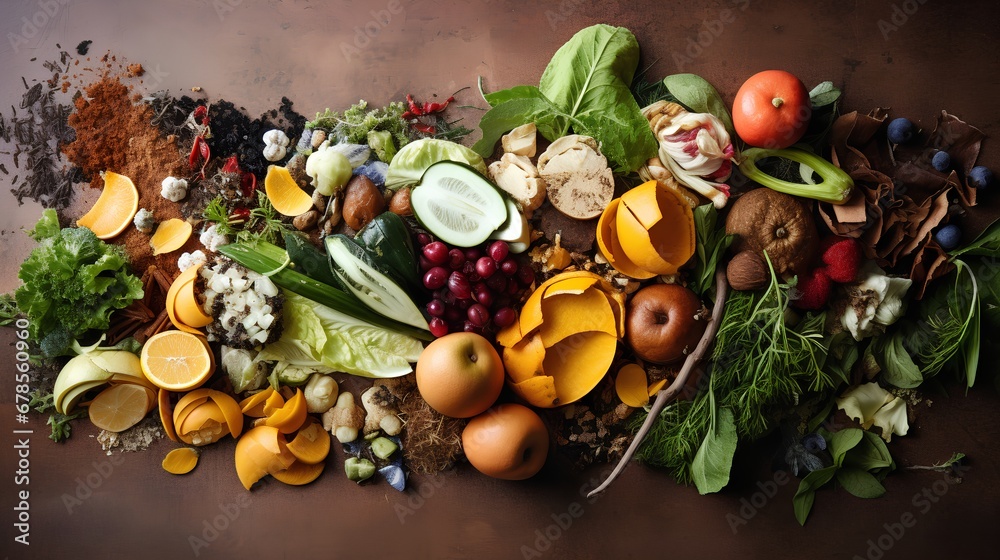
column 765, row 220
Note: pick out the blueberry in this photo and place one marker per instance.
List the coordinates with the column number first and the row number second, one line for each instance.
column 901, row 130
column 980, row 177
column 941, row 160
column 814, row 443
column 948, row 237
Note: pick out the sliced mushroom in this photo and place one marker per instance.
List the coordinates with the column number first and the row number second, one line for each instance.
column 518, row 177
column 520, row 141
column 578, row 181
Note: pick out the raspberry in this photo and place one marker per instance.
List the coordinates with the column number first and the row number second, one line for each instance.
column 814, row 289
column 841, row 258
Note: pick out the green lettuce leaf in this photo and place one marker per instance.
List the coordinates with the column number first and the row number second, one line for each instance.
column 714, row 459
column 326, row 340
column 410, row 162
column 72, row 283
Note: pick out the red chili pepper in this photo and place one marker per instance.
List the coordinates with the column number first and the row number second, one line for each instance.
column 424, row 128
column 415, row 109
column 232, row 165
column 196, row 151
column 430, row 108
column 248, row 184
column 241, row 214
column 201, row 114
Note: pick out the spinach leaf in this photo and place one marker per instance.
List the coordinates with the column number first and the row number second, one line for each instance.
column 843, row 441
column 711, row 465
column 699, row 96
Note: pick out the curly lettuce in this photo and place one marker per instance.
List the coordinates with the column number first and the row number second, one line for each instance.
column 72, row 283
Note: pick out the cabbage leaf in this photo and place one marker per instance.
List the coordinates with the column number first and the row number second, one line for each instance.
column 326, row 340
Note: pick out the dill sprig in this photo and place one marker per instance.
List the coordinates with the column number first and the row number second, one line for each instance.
column 761, row 363
column 265, row 223
column 673, row 440
column 215, row 211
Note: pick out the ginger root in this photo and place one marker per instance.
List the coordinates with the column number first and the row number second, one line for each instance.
column 345, row 419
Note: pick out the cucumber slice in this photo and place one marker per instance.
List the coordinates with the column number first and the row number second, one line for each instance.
column 361, row 277
column 457, row 204
column 515, row 231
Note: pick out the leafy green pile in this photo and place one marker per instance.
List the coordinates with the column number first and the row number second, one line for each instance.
column 585, row 87
column 73, row 282
column 356, row 123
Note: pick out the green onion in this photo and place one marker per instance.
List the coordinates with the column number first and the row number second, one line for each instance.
column 835, row 187
column 263, row 258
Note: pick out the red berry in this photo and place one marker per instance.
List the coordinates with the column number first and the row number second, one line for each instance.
column 456, row 258
column 509, row 266
column 435, row 308
column 504, row 317
column 458, row 284
column 435, row 278
column 498, row 251
column 438, row 327
column 478, row 314
column 841, row 258
column 423, row 239
column 813, row 289
column 486, row 267
column 436, row 252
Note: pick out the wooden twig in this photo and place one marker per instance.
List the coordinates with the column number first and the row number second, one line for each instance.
column 665, row 396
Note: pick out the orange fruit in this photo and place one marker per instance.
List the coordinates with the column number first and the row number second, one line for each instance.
column 119, row 407
column 114, row 209
column 284, row 193
column 170, row 235
column 176, row 360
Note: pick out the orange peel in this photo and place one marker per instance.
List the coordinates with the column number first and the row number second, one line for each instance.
column 114, row 209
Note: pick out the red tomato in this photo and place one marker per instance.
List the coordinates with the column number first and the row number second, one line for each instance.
column 772, row 110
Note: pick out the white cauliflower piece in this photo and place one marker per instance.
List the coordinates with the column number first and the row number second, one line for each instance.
column 212, row 239
column 187, row 260
column 173, row 189
column 144, row 221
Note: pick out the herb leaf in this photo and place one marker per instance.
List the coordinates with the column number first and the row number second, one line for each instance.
column 860, row 483
column 711, row 244
column 895, row 362
column 714, row 459
column 805, row 496
column 843, row 441
column 699, row 96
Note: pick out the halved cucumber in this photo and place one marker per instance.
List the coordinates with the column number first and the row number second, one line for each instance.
column 457, row 204
column 515, row 231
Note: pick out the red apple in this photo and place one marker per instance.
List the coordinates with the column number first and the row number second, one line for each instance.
column 664, row 322
column 508, row 441
column 460, row 374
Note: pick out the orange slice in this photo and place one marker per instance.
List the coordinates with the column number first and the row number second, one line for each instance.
column 261, row 451
column 119, row 407
column 114, row 209
column 299, row 473
column 311, row 444
column 180, row 461
column 176, row 360
column 284, row 193
column 631, row 385
column 170, row 235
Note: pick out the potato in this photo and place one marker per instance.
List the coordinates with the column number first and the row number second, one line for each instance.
column 362, row 202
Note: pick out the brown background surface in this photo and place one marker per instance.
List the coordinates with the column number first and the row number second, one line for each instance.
column 941, row 55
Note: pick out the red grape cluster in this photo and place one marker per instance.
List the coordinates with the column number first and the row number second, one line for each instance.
column 472, row 289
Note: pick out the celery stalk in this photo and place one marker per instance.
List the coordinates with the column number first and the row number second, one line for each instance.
column 836, row 185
